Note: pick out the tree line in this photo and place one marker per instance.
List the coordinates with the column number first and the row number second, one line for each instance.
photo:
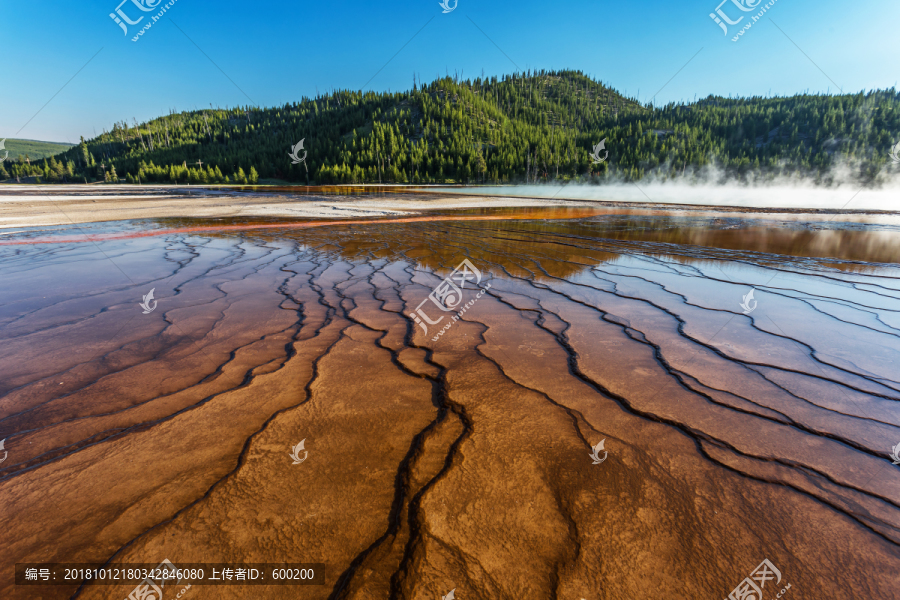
column 521, row 128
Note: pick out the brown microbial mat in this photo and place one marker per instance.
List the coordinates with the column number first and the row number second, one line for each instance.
column 515, row 406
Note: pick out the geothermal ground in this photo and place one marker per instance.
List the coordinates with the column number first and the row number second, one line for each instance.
column 735, row 427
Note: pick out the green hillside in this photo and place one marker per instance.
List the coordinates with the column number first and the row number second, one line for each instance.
column 32, row 149
column 530, row 127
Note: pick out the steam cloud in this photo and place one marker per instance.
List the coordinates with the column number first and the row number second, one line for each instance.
column 841, row 188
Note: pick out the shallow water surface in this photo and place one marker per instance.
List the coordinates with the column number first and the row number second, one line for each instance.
column 735, row 427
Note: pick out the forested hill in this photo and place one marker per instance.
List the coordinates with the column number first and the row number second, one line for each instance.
column 523, row 128
column 32, row 149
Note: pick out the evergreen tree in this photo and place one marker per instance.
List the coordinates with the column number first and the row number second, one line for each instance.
column 480, row 164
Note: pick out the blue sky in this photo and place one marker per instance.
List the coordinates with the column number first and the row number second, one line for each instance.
column 229, row 53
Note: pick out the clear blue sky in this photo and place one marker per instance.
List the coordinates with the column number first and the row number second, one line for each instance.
column 277, row 51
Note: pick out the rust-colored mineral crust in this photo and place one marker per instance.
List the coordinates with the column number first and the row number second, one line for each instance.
column 736, row 427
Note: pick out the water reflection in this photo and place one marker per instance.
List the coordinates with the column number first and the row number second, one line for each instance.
column 571, row 237
column 587, row 235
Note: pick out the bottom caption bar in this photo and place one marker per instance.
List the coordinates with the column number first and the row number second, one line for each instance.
column 155, row 578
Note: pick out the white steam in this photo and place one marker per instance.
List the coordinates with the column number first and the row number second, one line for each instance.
column 840, row 189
